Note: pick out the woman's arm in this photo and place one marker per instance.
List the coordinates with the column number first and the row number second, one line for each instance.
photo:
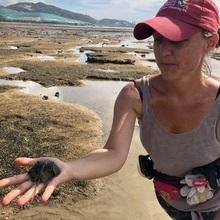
column 111, row 158
column 96, row 164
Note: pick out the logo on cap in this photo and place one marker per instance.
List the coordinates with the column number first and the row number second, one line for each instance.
column 174, row 4
column 181, row 3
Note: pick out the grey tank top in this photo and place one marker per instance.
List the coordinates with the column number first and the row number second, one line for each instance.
column 176, row 154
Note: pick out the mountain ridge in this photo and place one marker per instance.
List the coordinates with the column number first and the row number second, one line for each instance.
column 60, row 15
column 45, row 8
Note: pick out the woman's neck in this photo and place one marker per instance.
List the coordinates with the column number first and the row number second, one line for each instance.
column 186, row 88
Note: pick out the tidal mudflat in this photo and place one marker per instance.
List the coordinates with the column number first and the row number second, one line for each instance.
column 37, row 125
column 40, row 125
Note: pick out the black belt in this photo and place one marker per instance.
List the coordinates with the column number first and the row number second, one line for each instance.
column 211, row 171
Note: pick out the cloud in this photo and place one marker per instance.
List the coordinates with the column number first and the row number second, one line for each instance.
column 132, row 10
column 136, row 5
column 139, row 8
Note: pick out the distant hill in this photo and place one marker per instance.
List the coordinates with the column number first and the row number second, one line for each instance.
column 41, row 12
column 13, row 15
column 2, row 18
column 114, row 23
column 50, row 9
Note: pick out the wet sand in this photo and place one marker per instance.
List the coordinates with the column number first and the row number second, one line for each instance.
column 125, row 195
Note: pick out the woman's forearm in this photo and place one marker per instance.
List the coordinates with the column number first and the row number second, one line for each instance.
column 99, row 163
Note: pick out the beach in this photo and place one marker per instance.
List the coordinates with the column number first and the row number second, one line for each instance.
column 58, row 84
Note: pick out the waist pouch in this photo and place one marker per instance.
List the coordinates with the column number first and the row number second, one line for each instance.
column 169, row 186
column 166, row 190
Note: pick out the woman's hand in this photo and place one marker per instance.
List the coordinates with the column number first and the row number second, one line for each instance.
column 27, row 189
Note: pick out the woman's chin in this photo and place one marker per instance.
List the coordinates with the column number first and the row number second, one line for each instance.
column 170, row 75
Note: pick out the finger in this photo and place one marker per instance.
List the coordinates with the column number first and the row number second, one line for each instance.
column 25, row 161
column 50, row 189
column 47, row 193
column 27, row 196
column 14, row 180
column 16, row 192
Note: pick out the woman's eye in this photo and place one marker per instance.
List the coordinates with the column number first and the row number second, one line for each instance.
column 157, row 40
column 178, row 43
column 174, row 43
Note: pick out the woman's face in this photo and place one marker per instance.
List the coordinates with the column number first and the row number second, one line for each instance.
column 179, row 59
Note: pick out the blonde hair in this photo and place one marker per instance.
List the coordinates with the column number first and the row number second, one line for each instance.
column 206, row 66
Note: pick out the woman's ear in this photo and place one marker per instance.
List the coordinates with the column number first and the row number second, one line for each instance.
column 212, row 41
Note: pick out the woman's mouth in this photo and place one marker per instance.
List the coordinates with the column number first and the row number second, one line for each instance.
column 168, row 64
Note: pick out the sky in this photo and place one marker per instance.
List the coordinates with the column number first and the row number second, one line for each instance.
column 130, row 10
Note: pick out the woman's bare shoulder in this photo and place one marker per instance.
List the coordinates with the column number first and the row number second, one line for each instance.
column 130, row 93
column 130, row 90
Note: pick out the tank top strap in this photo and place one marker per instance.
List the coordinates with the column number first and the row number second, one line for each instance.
column 142, row 86
column 147, row 87
column 218, row 92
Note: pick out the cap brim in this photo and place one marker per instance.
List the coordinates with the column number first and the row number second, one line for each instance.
column 170, row 28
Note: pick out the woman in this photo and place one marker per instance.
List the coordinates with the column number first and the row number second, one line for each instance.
column 178, row 115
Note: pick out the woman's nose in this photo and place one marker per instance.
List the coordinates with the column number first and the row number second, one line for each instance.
column 165, row 48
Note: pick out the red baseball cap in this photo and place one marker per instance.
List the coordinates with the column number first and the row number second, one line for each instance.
column 180, row 19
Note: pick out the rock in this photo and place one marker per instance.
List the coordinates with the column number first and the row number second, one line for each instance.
column 45, row 97
column 57, row 94
column 38, row 51
column 151, row 60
